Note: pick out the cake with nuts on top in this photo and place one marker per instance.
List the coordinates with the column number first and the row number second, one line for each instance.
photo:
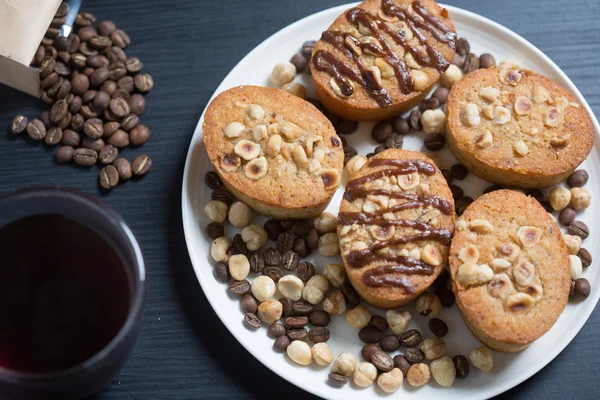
column 510, row 270
column 274, row 151
column 381, row 57
column 395, row 225
column 517, row 128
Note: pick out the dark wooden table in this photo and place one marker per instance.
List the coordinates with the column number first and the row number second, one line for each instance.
column 184, row 351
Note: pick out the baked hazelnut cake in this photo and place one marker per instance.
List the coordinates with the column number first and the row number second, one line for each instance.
column 517, row 128
column 381, row 57
column 395, row 225
column 510, row 270
column 273, row 151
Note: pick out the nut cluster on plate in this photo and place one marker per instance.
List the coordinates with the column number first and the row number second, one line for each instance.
column 97, row 94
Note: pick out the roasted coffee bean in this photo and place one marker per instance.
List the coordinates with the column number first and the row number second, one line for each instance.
column 301, row 227
column 134, row 65
column 57, row 22
column 47, row 67
column 287, row 224
column 61, row 69
column 390, row 343
column 300, row 62
column 93, row 128
column 379, row 322
column 566, row 216
column 582, row 287
column 338, row 379
column 301, row 247
column 110, row 128
column 143, row 82
column 45, row 98
column 18, row 124
column 101, row 101
column 370, row 334
column 53, row 91
column 39, row 56
column 578, row 178
column 36, row 129
column 77, row 122
column 414, row 355
column 462, row 204
column 97, row 61
column 120, row 39
column 410, row 338
column 447, row 176
column 379, row 149
column 71, row 138
column 395, row 141
column 224, row 195
column 78, row 60
column 350, row 294
column 578, row 228
column 99, row 76
column 312, row 239
column 64, row 154
column 85, row 19
column 381, row 131
column 429, row 104
column 285, row 242
column 290, row 260
column 215, row 230
column 434, row 142
column 126, row 83
column 212, row 180
column 457, row 192
column 89, row 96
column 252, row 321
column 273, row 229
column 85, row 157
column 462, row 366
column 402, row 364
column 248, row 303
column 458, row 60
column 80, row 83
column 119, row 139
column 302, row 307
column 100, row 43
column 274, row 273
column 53, row 136
column 319, row 318
column 307, row 48
column 123, row 168
column 119, row 107
column 368, row 350
column 281, row 343
column 46, row 42
column 438, row 327
column 130, row 122
column 116, row 70
column 305, row 271
column 257, row 262
column 109, row 177
column 64, row 90
column 349, row 152
column 585, row 256
column 272, row 256
column 87, row 71
column 382, row 361
column 346, row 127
column 105, row 28
column 49, row 81
column 486, row 60
column 296, row 321
column 446, row 296
column 238, row 244
column 401, row 125
column 65, row 122
column 471, row 63
column 463, row 47
column 86, row 33
column 536, row 194
column 137, row 104
column 441, row 94
column 319, row 334
column 459, row 171
column 116, row 54
column 276, row 330
column 141, row 165
column 239, row 288
column 286, row 306
column 414, row 120
column 221, row 271
column 58, row 111
column 139, row 135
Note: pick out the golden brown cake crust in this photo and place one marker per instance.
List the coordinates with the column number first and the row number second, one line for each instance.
column 514, row 286
column 396, row 190
column 500, row 127
column 273, row 150
column 361, row 106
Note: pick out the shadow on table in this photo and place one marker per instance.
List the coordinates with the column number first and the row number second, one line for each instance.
column 223, row 349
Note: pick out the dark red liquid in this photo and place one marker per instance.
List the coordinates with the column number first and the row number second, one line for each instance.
column 64, row 293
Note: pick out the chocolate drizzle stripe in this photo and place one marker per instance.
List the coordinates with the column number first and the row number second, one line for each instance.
column 348, row 218
column 415, row 201
column 389, row 281
column 421, row 20
column 402, row 167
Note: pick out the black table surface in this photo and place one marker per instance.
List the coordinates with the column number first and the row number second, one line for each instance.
column 183, row 350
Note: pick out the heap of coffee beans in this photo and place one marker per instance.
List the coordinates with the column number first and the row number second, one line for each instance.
column 96, row 93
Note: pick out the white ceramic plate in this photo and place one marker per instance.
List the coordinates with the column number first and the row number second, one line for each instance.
column 509, row 369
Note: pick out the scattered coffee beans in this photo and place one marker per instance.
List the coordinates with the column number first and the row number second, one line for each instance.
column 214, row 230
column 319, row 318
column 585, row 256
column 370, row 334
column 410, row 338
column 582, row 287
column 579, row 228
column 461, row 363
column 438, row 327
column 578, row 178
column 414, row 355
column 221, row 272
column 368, row 350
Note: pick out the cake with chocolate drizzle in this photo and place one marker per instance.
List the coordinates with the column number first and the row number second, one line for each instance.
column 380, row 58
column 395, row 225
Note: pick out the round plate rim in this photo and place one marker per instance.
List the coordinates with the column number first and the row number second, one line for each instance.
column 314, row 389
